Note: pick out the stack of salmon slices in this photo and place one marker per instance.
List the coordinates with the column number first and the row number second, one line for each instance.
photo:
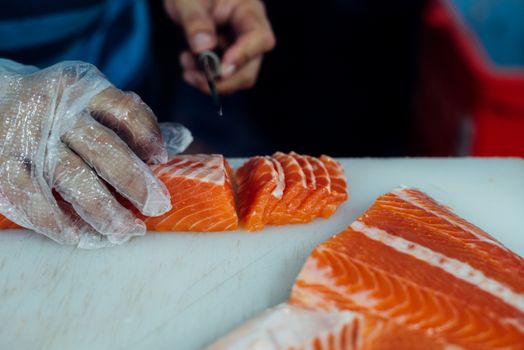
column 288, row 189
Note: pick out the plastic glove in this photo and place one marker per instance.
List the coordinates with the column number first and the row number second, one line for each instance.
column 66, row 129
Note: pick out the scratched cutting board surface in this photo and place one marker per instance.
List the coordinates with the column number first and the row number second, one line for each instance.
column 182, row 291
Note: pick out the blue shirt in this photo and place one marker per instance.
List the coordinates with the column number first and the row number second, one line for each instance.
column 111, row 34
column 497, row 26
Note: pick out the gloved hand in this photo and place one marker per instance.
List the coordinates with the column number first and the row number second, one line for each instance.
column 66, row 129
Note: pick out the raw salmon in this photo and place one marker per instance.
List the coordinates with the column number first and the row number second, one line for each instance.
column 412, row 261
column 292, row 327
column 339, row 191
column 5, row 223
column 286, row 211
column 201, row 191
column 202, row 197
column 281, row 189
column 316, row 202
column 408, row 274
column 304, row 209
column 260, row 185
column 304, row 191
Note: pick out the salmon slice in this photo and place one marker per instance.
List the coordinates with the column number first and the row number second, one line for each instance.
column 319, row 199
column 339, row 192
column 313, row 330
column 411, row 261
column 201, row 195
column 304, row 213
column 278, row 193
column 260, row 185
column 294, row 194
column 6, row 224
column 318, row 183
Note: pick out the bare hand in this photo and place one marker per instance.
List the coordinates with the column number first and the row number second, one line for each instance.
column 253, row 37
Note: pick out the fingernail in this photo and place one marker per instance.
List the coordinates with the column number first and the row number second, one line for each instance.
column 228, row 69
column 201, row 41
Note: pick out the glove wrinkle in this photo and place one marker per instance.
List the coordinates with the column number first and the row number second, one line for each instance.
column 63, row 131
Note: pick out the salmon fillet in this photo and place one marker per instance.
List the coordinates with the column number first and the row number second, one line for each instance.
column 293, row 327
column 408, row 274
column 412, row 261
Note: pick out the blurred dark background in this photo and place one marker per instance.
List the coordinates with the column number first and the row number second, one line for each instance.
column 339, row 81
column 347, row 77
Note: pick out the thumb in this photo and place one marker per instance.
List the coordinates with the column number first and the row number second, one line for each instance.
column 195, row 18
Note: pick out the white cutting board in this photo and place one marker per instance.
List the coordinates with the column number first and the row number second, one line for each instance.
column 181, row 291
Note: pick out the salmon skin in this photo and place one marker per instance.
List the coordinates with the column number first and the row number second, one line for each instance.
column 201, row 191
column 410, row 267
column 288, row 189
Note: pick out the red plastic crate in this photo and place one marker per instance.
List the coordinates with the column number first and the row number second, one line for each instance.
column 463, row 103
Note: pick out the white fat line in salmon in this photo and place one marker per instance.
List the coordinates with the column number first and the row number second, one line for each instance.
column 211, row 169
column 167, row 169
column 517, row 323
column 278, row 173
column 405, row 196
column 291, row 327
column 214, row 168
column 317, row 164
column 312, row 172
column 294, row 163
column 456, row 268
column 312, row 272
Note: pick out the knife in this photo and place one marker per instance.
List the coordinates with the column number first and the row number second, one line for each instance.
column 210, row 64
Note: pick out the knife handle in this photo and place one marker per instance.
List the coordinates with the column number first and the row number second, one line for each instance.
column 213, row 60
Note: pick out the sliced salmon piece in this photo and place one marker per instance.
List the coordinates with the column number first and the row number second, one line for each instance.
column 294, row 194
column 201, row 195
column 304, row 212
column 6, row 224
column 319, row 199
column 278, row 193
column 318, row 183
column 260, row 185
column 411, row 261
column 339, row 191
